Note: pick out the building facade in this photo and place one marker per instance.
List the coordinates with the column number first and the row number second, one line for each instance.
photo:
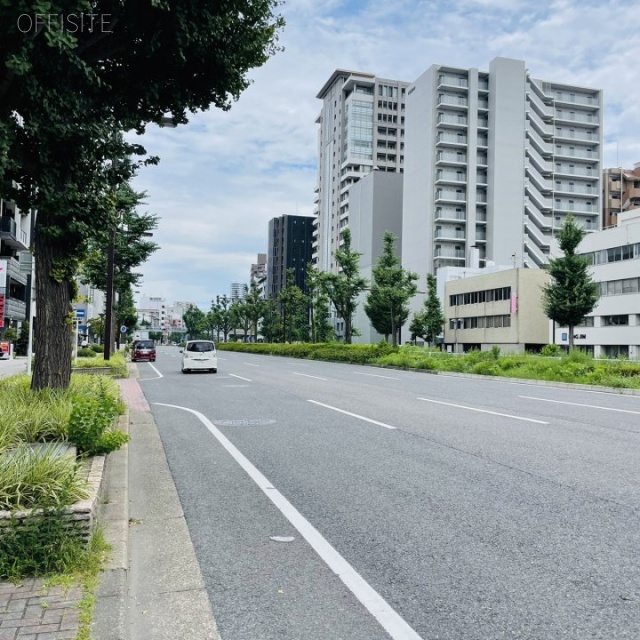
column 15, row 235
column 153, row 311
column 501, row 308
column 361, row 126
column 612, row 330
column 258, row 274
column 495, row 161
column 620, row 192
column 289, row 247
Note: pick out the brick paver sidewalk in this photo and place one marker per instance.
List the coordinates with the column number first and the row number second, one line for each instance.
column 30, row 611
column 132, row 394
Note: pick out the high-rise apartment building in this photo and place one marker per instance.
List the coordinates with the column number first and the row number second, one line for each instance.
column 361, row 126
column 620, row 192
column 494, row 162
column 289, row 247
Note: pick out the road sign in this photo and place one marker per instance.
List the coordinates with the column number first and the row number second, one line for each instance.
column 565, row 336
column 123, row 329
column 80, row 313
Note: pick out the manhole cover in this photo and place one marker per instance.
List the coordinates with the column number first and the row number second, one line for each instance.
column 243, row 423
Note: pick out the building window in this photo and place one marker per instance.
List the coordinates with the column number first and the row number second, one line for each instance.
column 615, row 321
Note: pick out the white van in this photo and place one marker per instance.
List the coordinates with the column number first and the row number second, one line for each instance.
column 199, row 355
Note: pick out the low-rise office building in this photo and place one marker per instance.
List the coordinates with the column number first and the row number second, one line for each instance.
column 501, row 308
column 612, row 330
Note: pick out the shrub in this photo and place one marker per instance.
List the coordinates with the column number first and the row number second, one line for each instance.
column 90, row 426
column 86, row 353
column 97, row 348
column 551, row 350
column 495, row 352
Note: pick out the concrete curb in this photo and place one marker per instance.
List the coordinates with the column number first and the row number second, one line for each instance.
column 109, row 621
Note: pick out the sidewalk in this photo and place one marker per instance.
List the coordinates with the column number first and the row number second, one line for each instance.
column 152, row 588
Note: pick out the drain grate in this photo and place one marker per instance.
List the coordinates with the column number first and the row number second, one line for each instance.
column 243, row 423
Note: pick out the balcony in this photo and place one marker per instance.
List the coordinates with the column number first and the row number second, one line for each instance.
column 481, row 178
column 576, row 188
column 451, row 139
column 580, row 136
column 577, row 206
column 543, row 148
column 483, row 85
column 12, row 234
column 568, row 116
column 458, row 102
column 540, row 201
column 448, row 254
column 13, row 271
column 483, row 104
column 572, row 98
column 455, row 121
column 443, row 195
column 481, row 235
column 581, row 171
column 543, row 109
column 444, row 214
column 534, row 175
column 481, row 216
column 15, row 309
column 576, row 153
column 544, row 166
column 451, row 158
column 483, row 141
column 448, row 234
column 536, row 235
column 540, row 220
column 451, row 176
column 481, row 197
column 483, row 123
column 452, row 81
column 481, row 160
column 537, row 122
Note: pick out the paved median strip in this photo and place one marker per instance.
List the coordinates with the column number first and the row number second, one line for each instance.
column 493, row 413
column 581, row 404
column 353, row 415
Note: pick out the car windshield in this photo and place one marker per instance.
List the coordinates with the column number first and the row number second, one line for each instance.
column 200, row 347
column 144, row 344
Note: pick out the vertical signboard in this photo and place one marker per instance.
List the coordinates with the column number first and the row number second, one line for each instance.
column 3, row 273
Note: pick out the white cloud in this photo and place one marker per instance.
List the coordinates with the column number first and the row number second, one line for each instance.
column 226, row 174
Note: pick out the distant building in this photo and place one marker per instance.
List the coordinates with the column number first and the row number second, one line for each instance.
column 153, row 310
column 502, row 308
column 496, row 160
column 237, row 291
column 621, row 192
column 361, row 126
column 258, row 274
column 289, row 247
column 375, row 206
column 613, row 328
column 14, row 239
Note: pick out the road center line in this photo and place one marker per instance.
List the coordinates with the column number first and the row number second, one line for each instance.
column 377, row 606
column 580, row 404
column 233, row 375
column 353, row 415
column 375, row 375
column 250, row 364
column 494, row 413
column 306, row 375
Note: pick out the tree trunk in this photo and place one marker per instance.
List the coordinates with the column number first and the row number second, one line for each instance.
column 570, row 337
column 53, row 328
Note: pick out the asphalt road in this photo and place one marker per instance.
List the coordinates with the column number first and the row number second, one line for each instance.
column 403, row 505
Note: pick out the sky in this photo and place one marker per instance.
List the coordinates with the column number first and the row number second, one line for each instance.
column 224, row 175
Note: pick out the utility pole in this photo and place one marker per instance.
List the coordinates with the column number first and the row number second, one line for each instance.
column 108, row 325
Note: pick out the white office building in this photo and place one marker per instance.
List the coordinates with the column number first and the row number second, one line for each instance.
column 613, row 328
column 494, row 161
column 361, row 126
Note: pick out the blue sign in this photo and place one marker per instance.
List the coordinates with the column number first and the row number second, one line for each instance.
column 83, row 328
column 79, row 313
column 565, row 336
column 123, row 329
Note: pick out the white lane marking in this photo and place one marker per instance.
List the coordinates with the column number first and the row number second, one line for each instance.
column 375, row 375
column 235, row 386
column 581, row 404
column 353, row 415
column 493, row 413
column 222, row 359
column 233, row 375
column 377, row 606
column 159, row 374
column 249, row 364
column 306, row 375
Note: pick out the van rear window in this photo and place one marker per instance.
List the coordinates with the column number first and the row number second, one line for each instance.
column 144, row 344
column 200, row 347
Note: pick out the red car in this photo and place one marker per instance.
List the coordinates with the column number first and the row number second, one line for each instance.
column 143, row 350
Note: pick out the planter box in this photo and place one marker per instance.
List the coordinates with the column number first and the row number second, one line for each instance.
column 79, row 518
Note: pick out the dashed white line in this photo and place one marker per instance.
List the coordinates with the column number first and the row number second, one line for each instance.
column 581, row 404
column 378, row 607
column 353, row 415
column 233, row 375
column 306, row 375
column 250, row 364
column 493, row 413
column 375, row 375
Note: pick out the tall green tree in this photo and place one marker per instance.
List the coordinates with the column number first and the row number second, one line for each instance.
column 223, row 307
column 294, row 311
column 125, row 314
column 433, row 315
column 66, row 95
column 194, row 321
column 572, row 293
column 343, row 288
column 392, row 287
column 255, row 304
column 319, row 315
column 271, row 328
